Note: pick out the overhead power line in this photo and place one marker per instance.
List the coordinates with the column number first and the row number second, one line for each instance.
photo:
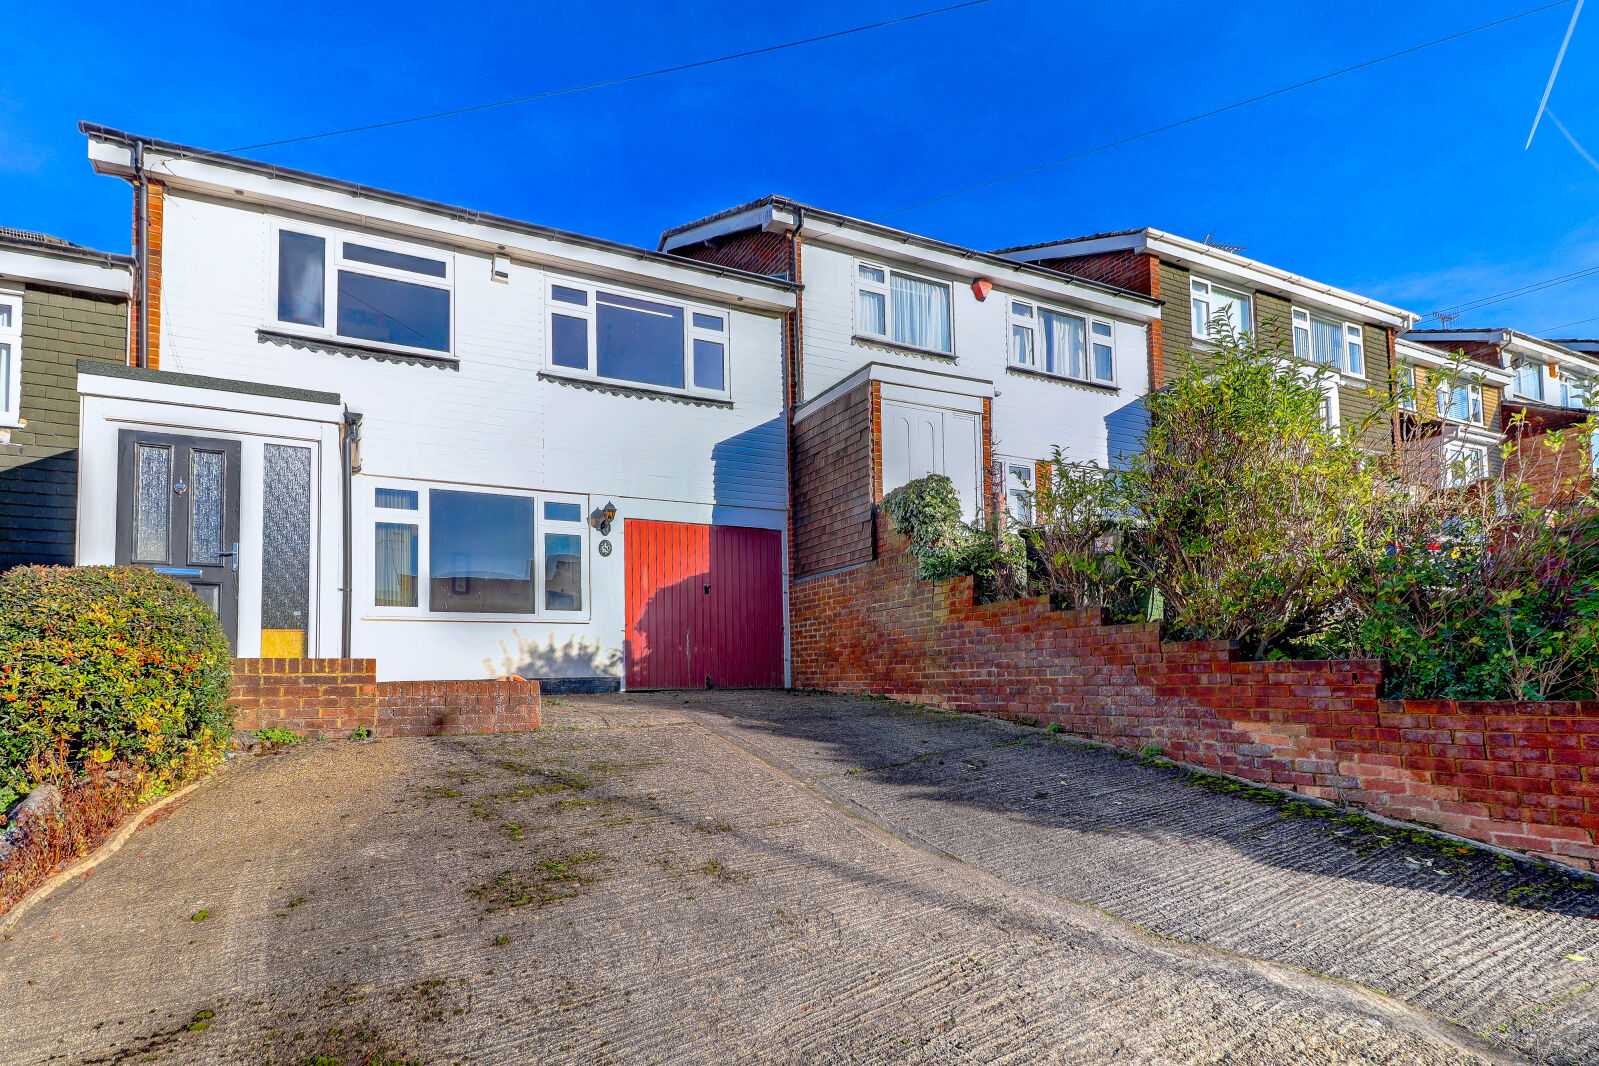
column 1511, row 294
column 1222, row 110
column 616, row 81
column 1566, row 325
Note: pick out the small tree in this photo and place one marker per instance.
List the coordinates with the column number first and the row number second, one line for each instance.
column 1076, row 549
column 1246, row 506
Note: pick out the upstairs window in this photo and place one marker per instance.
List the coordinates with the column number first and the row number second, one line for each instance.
column 1529, row 381
column 608, row 334
column 1330, row 343
column 1575, row 391
column 1461, row 402
column 1061, row 343
column 10, row 358
column 1210, row 300
column 364, row 290
column 903, row 309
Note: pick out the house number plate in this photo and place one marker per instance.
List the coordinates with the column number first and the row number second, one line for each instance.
column 605, row 547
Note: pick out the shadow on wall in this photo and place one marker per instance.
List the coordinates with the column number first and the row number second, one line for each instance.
column 578, row 657
column 38, row 503
column 1124, row 432
column 748, row 472
column 718, row 623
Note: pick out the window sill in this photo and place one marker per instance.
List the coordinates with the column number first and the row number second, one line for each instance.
column 1061, row 379
column 639, row 391
column 356, row 351
column 868, row 341
column 553, row 618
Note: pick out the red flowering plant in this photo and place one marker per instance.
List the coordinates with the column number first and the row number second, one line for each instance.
column 107, row 664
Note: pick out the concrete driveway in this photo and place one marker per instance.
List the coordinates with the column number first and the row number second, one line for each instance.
column 787, row 878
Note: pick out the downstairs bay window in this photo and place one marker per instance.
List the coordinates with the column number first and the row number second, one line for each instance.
column 608, row 334
column 1464, row 464
column 472, row 553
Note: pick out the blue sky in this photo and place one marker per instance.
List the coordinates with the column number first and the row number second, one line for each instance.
column 1406, row 182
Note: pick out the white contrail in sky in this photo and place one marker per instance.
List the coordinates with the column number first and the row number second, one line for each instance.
column 1559, row 56
column 1561, row 126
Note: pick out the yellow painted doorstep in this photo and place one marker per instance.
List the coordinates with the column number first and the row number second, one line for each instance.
column 282, row 643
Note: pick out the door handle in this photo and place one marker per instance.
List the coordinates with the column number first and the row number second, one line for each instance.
column 234, row 555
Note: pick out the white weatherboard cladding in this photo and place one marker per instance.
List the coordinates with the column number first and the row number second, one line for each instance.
column 1030, row 414
column 490, row 422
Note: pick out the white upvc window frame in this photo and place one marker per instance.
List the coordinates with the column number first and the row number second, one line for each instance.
column 333, row 261
column 589, row 313
column 1540, row 375
column 1445, row 396
column 420, row 518
column 1576, row 390
column 1350, row 334
column 884, row 290
column 1201, row 292
column 1407, row 387
column 1033, row 319
column 1018, row 479
column 1454, row 456
column 11, row 357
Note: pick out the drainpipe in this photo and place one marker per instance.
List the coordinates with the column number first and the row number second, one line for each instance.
column 141, row 242
column 349, row 439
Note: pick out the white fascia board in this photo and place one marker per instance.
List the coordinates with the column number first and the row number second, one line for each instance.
column 767, row 218
column 929, row 380
column 111, row 279
column 207, row 178
column 1040, row 285
column 1548, row 351
column 1227, row 266
column 1434, row 358
column 164, row 393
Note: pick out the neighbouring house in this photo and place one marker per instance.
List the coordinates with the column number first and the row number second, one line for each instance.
column 59, row 303
column 369, row 425
column 1449, row 415
column 914, row 356
column 1554, row 386
column 1349, row 334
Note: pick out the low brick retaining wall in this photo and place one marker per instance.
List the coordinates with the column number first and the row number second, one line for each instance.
column 334, row 697
column 1516, row 775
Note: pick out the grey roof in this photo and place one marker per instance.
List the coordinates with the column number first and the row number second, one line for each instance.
column 1071, row 240
column 910, row 238
column 464, row 214
column 24, row 240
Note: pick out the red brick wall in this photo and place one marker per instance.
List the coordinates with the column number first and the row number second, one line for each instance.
column 152, row 328
column 1553, row 474
column 753, row 250
column 334, row 697
column 832, row 501
column 1522, row 776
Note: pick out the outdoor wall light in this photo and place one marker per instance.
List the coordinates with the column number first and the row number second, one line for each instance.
column 602, row 518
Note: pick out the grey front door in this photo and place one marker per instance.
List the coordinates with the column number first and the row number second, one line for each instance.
column 178, row 514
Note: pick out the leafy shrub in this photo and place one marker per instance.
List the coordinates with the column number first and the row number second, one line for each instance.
column 1245, row 506
column 279, row 734
column 927, row 511
column 1481, row 592
column 1077, row 553
column 100, row 663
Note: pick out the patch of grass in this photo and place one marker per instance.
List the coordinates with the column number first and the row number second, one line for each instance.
column 278, row 734
column 1026, row 719
column 549, row 881
column 1053, row 727
column 363, row 733
column 200, row 915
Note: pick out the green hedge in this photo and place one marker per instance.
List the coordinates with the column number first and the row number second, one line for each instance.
column 107, row 663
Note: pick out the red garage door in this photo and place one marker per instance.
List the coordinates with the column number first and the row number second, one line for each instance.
column 704, row 606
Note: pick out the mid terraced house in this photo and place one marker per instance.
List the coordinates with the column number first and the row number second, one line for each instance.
column 59, row 303
column 365, row 424
column 915, row 357
column 1351, row 335
column 1552, row 386
column 1449, row 414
